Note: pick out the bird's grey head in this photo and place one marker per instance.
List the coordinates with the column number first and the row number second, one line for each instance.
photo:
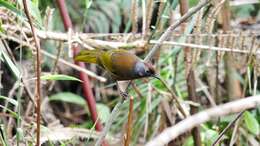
column 143, row 69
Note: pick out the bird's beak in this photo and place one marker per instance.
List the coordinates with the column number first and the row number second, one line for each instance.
column 157, row 76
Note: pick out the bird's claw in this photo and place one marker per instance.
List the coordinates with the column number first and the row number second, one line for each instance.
column 124, row 94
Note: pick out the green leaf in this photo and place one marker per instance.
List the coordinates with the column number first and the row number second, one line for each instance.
column 193, row 3
column 9, row 62
column 56, row 77
column 10, row 111
column 35, row 2
column 251, row 123
column 103, row 112
column 14, row 102
column 189, row 141
column 68, row 97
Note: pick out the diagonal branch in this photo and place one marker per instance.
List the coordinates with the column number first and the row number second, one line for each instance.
column 202, row 117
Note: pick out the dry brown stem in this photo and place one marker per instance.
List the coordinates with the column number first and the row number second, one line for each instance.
column 232, row 107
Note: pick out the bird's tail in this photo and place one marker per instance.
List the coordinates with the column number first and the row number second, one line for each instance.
column 89, row 56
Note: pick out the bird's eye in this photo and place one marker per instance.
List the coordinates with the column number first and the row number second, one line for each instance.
column 147, row 71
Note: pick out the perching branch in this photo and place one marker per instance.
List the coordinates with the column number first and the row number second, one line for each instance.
column 232, row 107
column 109, row 122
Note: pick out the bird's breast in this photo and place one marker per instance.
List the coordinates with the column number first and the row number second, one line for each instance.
column 123, row 64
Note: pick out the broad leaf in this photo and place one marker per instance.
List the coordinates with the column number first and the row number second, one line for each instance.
column 251, row 123
column 103, row 112
column 68, row 97
column 59, row 77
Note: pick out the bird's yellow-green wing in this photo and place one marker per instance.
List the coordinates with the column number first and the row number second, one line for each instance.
column 89, row 56
column 105, row 60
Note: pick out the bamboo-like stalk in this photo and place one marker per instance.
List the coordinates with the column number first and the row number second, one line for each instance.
column 86, row 85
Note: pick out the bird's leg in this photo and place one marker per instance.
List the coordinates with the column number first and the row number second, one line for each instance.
column 124, row 94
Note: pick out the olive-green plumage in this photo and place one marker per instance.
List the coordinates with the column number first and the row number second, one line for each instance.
column 122, row 65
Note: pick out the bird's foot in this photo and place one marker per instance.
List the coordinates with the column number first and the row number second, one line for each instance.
column 123, row 94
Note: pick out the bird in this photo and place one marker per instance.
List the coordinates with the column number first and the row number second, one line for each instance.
column 119, row 63
column 123, row 65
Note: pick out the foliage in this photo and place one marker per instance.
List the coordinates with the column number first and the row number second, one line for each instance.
column 68, row 97
column 251, row 123
column 56, row 77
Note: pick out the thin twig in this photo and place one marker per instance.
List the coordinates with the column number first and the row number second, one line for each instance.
column 108, row 44
column 175, row 98
column 38, row 74
column 60, row 36
column 105, row 44
column 234, row 133
column 138, row 92
column 76, row 67
column 170, row 29
column 50, row 83
column 232, row 107
column 204, row 47
column 226, row 128
column 241, row 2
